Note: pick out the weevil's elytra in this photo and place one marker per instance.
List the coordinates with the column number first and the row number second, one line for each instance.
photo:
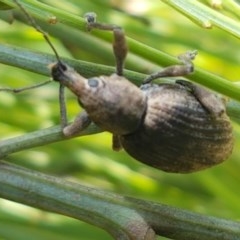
column 178, row 134
column 179, row 127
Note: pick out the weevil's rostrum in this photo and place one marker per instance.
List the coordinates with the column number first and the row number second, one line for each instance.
column 179, row 127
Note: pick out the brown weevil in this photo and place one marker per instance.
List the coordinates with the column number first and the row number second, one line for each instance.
column 179, row 127
column 176, row 127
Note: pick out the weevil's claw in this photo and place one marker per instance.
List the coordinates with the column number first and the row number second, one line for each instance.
column 120, row 48
column 90, row 18
column 186, row 67
column 187, row 56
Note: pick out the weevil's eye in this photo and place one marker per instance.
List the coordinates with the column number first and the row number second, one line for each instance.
column 93, row 82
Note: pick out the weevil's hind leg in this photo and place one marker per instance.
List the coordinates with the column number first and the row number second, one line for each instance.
column 214, row 105
column 183, row 69
column 116, row 143
column 120, row 48
column 80, row 122
column 208, row 99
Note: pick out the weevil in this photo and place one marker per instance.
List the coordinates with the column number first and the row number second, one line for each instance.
column 177, row 127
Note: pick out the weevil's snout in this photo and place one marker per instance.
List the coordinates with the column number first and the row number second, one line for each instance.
column 67, row 76
column 58, row 71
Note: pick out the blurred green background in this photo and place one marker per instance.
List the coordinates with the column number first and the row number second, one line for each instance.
column 90, row 160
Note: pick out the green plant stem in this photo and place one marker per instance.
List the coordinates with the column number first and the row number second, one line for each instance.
column 232, row 6
column 38, row 62
column 226, row 6
column 233, row 110
column 123, row 217
column 205, row 16
column 46, row 12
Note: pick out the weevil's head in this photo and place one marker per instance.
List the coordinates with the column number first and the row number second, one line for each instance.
column 112, row 102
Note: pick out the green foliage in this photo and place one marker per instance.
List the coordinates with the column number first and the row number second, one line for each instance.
column 90, row 160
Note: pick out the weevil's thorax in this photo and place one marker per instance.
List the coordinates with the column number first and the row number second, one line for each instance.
column 114, row 104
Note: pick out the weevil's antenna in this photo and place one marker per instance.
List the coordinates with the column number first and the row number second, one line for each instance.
column 18, row 90
column 63, row 111
column 38, row 28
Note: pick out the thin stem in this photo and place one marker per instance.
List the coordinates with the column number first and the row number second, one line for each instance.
column 43, row 11
column 38, row 62
column 205, row 16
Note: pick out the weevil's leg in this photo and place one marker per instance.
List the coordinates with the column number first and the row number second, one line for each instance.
column 80, row 122
column 120, row 48
column 62, row 104
column 183, row 69
column 116, row 143
column 214, row 104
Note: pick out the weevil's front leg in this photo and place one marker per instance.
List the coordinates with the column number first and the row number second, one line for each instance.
column 183, row 69
column 120, row 48
column 214, row 104
column 80, row 122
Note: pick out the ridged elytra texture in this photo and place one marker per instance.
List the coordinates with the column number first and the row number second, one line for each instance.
column 178, row 134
